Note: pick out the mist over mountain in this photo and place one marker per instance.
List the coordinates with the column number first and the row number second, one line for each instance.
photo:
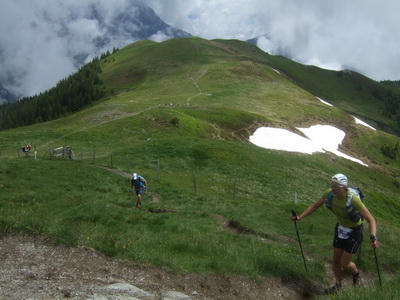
column 42, row 42
column 136, row 22
column 56, row 45
column 4, row 94
column 279, row 48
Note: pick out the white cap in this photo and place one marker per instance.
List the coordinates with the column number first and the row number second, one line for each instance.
column 134, row 176
column 340, row 179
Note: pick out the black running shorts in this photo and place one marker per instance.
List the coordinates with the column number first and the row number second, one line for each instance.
column 352, row 243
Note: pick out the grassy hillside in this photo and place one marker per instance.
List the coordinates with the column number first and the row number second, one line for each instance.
column 180, row 113
column 372, row 101
column 378, row 103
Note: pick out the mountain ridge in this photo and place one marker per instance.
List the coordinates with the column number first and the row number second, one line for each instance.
column 191, row 72
column 369, row 100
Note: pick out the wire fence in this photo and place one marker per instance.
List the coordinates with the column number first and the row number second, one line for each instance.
column 129, row 163
column 121, row 161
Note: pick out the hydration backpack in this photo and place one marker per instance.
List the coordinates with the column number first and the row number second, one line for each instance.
column 138, row 183
column 352, row 213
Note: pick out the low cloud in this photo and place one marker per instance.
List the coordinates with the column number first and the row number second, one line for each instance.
column 43, row 41
column 358, row 35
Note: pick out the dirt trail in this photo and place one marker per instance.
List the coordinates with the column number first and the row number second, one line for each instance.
column 35, row 268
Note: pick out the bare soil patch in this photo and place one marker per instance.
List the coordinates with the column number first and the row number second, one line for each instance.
column 34, row 267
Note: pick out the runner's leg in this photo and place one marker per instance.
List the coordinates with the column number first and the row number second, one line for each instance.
column 337, row 264
column 347, row 264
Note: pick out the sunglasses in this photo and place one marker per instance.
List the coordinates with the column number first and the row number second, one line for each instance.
column 336, row 187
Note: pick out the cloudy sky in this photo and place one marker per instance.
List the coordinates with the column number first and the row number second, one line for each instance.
column 361, row 35
column 357, row 34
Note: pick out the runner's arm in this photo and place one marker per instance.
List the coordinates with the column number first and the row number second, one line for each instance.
column 372, row 226
column 312, row 208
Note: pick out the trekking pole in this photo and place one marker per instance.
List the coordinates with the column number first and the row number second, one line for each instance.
column 377, row 267
column 298, row 237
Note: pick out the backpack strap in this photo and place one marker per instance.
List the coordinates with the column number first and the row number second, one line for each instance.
column 351, row 193
column 328, row 200
column 353, row 214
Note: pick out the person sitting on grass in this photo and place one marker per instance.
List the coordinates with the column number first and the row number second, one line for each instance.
column 26, row 149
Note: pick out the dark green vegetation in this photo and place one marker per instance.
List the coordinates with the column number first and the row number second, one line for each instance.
column 180, row 113
column 69, row 96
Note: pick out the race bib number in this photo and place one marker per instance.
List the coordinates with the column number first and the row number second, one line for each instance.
column 344, row 232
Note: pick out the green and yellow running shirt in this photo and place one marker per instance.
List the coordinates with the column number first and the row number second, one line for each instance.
column 339, row 209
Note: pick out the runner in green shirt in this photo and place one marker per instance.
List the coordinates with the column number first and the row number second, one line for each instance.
column 348, row 232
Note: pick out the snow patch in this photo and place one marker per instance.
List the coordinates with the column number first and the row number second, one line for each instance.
column 324, row 102
column 358, row 121
column 320, row 138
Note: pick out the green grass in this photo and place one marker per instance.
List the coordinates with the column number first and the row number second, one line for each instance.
column 190, row 141
column 76, row 203
column 93, row 208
